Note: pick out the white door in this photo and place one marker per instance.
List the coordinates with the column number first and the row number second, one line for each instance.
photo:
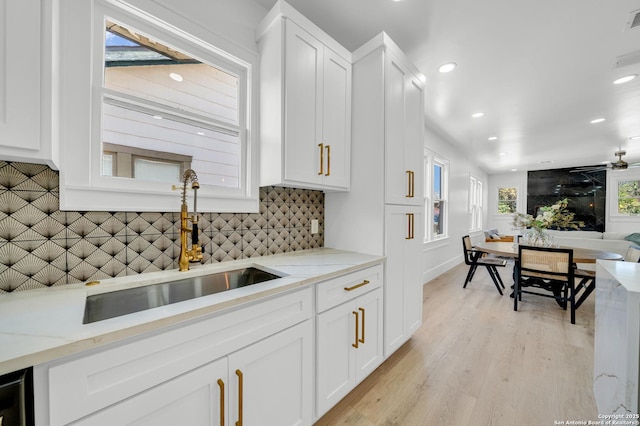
column 404, row 122
column 304, row 57
column 20, row 57
column 335, row 358
column 414, row 138
column 402, row 289
column 336, row 120
column 270, row 381
column 369, row 353
column 195, row 399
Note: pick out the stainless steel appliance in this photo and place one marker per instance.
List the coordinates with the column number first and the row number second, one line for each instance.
column 16, row 398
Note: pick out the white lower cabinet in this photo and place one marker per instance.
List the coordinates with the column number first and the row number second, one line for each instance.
column 262, row 353
column 349, row 341
column 403, row 282
column 266, row 383
column 264, row 363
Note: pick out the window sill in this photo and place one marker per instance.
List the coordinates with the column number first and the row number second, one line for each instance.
column 434, row 244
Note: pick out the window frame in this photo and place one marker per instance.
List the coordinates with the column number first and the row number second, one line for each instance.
column 432, row 159
column 613, row 180
column 516, row 200
column 476, row 203
column 82, row 187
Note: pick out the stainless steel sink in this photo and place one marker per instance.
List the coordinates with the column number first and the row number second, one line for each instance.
column 102, row 306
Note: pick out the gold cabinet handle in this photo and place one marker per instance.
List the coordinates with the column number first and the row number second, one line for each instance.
column 221, row 384
column 355, row 344
column 361, row 340
column 328, row 147
column 321, row 146
column 239, row 374
column 365, row 282
column 411, row 226
column 411, row 184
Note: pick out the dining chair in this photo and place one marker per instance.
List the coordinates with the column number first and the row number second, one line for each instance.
column 547, row 272
column 475, row 258
column 633, row 254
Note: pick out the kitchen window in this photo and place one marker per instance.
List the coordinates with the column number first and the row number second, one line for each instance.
column 162, row 100
column 436, row 196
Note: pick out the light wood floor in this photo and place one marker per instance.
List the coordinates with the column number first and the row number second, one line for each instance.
column 476, row 362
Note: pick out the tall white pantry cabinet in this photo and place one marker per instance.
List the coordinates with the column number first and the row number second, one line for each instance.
column 383, row 214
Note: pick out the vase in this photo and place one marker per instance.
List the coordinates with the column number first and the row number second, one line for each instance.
column 537, row 237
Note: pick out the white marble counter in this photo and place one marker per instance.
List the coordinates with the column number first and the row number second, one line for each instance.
column 617, row 338
column 38, row 326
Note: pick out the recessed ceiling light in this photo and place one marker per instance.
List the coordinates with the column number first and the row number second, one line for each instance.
column 477, row 114
column 625, row 79
column 492, row 138
column 176, row 76
column 157, row 117
column 545, row 162
column 448, row 67
column 514, row 170
column 634, row 138
column 597, row 120
column 502, row 154
column 200, row 133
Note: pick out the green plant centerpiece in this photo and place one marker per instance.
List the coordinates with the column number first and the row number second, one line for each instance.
column 554, row 216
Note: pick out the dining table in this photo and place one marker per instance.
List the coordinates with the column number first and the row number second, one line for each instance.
column 580, row 255
column 586, row 279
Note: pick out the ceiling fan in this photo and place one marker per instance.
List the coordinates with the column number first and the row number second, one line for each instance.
column 616, row 165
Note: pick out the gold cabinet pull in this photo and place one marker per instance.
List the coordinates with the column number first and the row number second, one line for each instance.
column 411, row 184
column 221, row 385
column 321, row 146
column 328, row 147
column 411, row 226
column 361, row 340
column 365, row 282
column 239, row 374
column 355, row 344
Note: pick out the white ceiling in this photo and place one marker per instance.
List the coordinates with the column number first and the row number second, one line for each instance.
column 539, row 70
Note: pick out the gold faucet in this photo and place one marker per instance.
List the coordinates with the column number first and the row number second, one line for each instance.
column 195, row 253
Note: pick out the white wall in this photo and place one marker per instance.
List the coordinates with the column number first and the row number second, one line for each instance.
column 442, row 255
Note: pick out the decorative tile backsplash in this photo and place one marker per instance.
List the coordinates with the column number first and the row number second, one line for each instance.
column 41, row 246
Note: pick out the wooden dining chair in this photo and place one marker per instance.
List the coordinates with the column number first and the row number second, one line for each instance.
column 547, row 272
column 475, row 258
column 632, row 254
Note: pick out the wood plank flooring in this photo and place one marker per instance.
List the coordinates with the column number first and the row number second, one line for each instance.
column 476, row 362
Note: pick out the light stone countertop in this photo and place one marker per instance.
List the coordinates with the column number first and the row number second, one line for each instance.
column 37, row 326
column 627, row 274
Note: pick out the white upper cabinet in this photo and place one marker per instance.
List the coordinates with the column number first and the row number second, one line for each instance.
column 404, row 129
column 305, row 104
column 25, row 76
